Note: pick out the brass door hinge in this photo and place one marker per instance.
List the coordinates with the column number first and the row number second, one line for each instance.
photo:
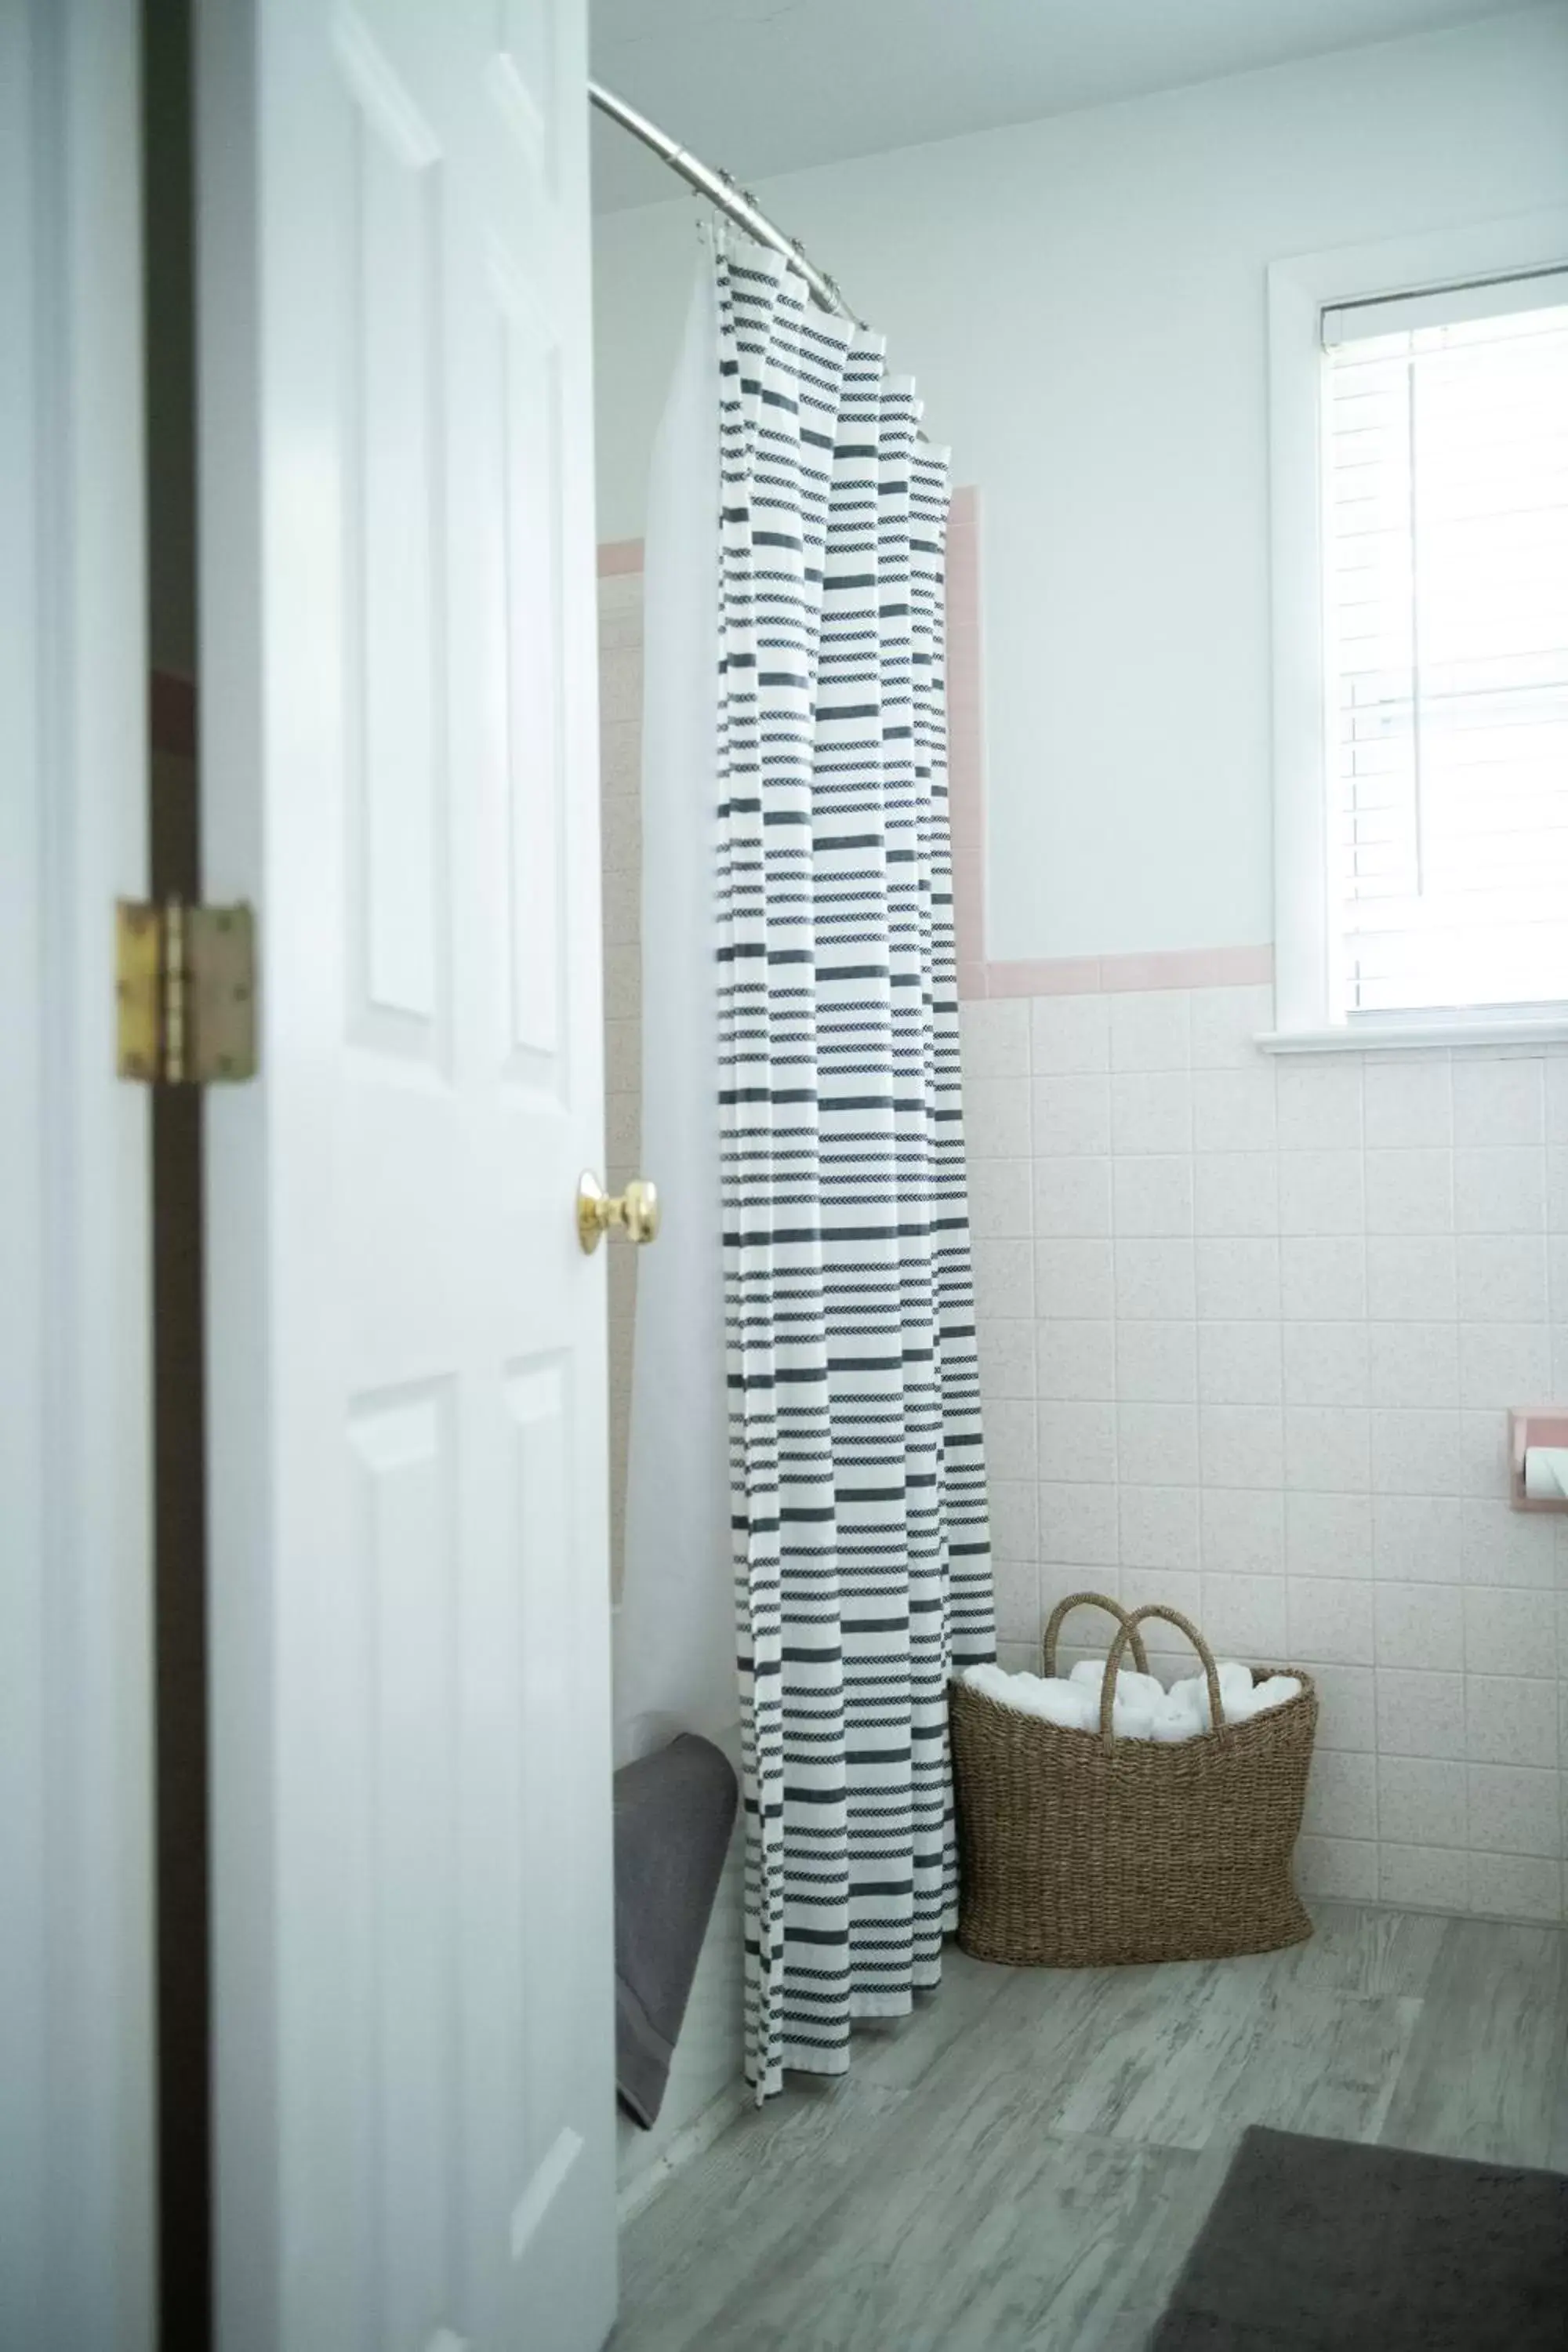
column 186, row 979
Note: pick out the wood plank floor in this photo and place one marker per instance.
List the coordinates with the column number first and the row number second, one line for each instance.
column 1021, row 2165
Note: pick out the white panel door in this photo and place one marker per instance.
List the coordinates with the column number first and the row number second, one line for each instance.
column 410, row 1601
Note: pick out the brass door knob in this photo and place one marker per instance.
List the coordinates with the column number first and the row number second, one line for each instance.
column 634, row 1213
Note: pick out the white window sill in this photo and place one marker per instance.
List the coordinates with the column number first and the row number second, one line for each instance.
column 1400, row 1037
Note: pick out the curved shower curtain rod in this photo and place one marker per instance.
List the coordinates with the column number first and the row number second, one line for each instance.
column 720, row 189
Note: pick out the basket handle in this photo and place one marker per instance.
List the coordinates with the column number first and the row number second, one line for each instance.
column 1128, row 1632
column 1094, row 1601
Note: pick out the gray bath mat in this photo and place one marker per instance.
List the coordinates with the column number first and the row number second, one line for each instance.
column 674, row 1813
column 1317, row 2245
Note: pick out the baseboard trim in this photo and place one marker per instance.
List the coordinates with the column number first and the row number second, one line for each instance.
column 692, row 2141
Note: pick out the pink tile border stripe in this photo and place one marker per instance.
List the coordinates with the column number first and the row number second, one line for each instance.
column 979, row 975
column 1090, row 975
column 619, row 555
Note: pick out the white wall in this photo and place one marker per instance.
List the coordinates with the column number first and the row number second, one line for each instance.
column 1083, row 302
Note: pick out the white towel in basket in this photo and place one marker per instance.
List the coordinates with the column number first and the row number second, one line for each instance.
column 1143, row 1708
column 1132, row 1689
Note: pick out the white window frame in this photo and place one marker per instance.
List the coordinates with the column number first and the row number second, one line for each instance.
column 1300, row 290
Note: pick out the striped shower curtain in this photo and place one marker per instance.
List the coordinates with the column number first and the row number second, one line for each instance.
column 858, row 1476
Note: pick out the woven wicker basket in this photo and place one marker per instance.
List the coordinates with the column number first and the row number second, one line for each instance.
column 1080, row 1850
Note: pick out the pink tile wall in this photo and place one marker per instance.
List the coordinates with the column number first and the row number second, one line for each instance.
column 1248, row 1332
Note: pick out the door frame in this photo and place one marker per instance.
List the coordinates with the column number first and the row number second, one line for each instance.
column 77, row 2160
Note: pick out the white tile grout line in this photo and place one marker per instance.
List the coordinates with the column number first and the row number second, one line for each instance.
column 1447, row 1066
column 1377, row 1837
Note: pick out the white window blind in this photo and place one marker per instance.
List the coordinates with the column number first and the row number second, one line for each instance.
column 1447, row 636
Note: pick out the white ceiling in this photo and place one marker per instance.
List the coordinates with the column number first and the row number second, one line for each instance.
column 771, row 86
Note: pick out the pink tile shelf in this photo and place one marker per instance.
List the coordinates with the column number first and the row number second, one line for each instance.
column 1530, row 1425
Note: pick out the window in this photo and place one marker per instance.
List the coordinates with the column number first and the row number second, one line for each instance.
column 1419, row 475
column 1446, row 634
